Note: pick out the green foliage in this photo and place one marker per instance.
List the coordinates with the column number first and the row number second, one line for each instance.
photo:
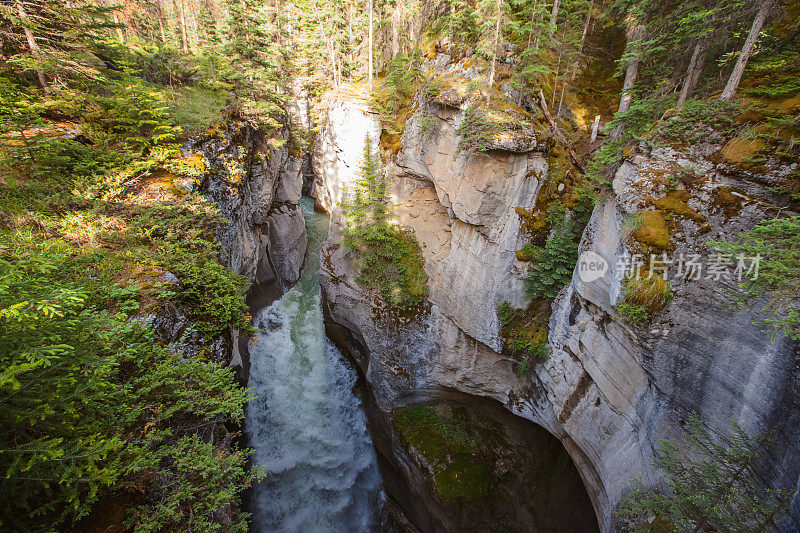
column 632, row 313
column 712, row 483
column 214, row 293
column 197, row 108
column 775, row 241
column 700, row 120
column 455, row 454
column 649, row 294
column 641, row 116
column 389, row 258
column 395, row 90
column 602, row 166
column 91, row 403
column 475, row 131
column 507, row 314
column 784, row 86
column 137, row 116
column 554, row 263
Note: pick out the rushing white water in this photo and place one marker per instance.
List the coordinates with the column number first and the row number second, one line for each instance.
column 307, row 427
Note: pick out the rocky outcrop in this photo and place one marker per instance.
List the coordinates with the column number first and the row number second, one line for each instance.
column 257, row 187
column 610, row 391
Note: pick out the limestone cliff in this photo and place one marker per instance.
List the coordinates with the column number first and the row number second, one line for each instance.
column 610, row 391
column 257, row 185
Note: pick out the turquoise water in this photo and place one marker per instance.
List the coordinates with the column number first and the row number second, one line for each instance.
column 306, row 427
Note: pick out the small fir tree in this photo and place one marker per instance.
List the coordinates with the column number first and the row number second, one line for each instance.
column 713, row 485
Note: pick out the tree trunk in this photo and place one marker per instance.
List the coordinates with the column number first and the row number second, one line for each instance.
column 747, row 49
column 34, row 48
column 117, row 27
column 636, row 34
column 182, row 25
column 533, row 21
column 554, row 16
column 693, row 72
column 494, row 51
column 160, row 13
column 329, row 46
column 370, row 45
column 586, row 26
column 595, row 128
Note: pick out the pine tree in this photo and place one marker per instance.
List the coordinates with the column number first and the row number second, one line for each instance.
column 713, row 485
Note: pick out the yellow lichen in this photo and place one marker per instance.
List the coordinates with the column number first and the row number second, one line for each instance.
column 676, row 202
column 652, row 230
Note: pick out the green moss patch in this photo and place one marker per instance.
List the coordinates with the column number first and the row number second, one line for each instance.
column 461, row 471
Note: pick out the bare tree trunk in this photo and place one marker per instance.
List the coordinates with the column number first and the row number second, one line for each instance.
column 370, row 45
column 595, row 128
column 117, row 27
column 182, row 24
column 530, row 37
column 494, row 51
column 554, row 16
column 193, row 29
column 747, row 49
column 160, row 13
column 692, row 72
column 636, row 34
column 586, row 26
column 34, row 48
column 533, row 21
column 329, row 46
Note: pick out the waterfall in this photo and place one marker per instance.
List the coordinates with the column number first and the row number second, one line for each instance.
column 306, row 427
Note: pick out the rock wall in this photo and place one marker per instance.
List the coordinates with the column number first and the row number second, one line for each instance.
column 610, row 391
column 257, row 188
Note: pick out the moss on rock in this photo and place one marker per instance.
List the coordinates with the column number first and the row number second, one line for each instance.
column 652, row 230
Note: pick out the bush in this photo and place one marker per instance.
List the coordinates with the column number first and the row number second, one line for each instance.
column 389, row 259
column 700, row 120
column 779, row 272
column 632, row 313
column 93, row 405
column 643, row 298
column 395, row 90
column 475, row 132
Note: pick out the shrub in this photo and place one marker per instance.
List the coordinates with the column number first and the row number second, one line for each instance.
column 526, row 253
column 648, row 294
column 632, row 313
column 389, row 259
column 700, row 120
column 395, row 90
column 779, row 271
column 214, row 293
column 475, row 131
column 93, row 405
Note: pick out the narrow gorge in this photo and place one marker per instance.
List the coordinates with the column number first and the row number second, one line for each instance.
column 400, row 266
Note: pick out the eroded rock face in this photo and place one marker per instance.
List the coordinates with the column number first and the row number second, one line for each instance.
column 641, row 384
column 610, row 391
column 257, row 188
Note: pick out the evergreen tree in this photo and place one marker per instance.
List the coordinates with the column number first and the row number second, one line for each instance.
column 712, row 485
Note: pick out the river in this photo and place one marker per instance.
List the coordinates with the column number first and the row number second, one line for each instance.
column 307, row 427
